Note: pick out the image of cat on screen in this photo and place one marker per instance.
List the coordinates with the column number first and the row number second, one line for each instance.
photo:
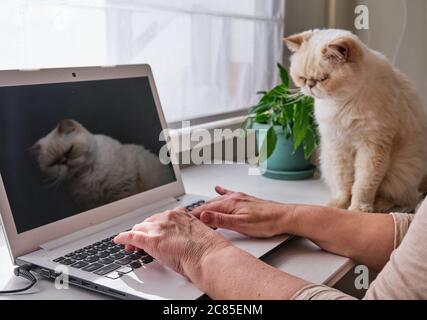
column 96, row 168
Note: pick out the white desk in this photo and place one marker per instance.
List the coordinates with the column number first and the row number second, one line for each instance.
column 299, row 257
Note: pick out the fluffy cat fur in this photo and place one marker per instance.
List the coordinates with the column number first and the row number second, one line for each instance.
column 372, row 123
column 97, row 168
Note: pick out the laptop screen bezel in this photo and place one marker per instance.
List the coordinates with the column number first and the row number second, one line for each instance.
column 29, row 241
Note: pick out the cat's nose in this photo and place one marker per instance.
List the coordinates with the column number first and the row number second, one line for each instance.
column 311, row 83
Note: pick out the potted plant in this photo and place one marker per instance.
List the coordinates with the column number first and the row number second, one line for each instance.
column 285, row 131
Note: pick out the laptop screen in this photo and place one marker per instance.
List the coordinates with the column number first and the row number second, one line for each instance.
column 66, row 148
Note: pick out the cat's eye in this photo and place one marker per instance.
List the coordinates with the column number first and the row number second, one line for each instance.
column 68, row 153
column 302, row 79
column 324, row 78
column 63, row 159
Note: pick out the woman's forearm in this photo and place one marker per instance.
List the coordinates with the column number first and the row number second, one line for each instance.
column 365, row 238
column 231, row 273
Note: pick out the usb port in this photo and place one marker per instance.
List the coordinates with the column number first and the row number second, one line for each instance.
column 44, row 273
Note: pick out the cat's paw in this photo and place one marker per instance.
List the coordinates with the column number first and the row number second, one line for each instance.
column 362, row 207
column 340, row 203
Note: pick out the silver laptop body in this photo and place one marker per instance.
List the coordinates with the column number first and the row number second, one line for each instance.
column 34, row 103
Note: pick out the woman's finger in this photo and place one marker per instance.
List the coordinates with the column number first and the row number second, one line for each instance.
column 218, row 198
column 224, row 194
column 221, row 206
column 181, row 210
column 221, row 220
column 222, row 191
column 129, row 248
column 137, row 239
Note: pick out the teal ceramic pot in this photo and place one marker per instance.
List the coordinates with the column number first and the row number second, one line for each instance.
column 283, row 164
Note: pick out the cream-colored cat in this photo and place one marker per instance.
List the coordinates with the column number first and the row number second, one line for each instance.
column 98, row 169
column 372, row 124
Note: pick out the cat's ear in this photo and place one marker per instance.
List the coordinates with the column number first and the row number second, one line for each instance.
column 344, row 49
column 67, row 126
column 35, row 149
column 295, row 41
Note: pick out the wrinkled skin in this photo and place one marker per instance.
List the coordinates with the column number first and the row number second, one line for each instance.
column 180, row 241
column 245, row 214
column 174, row 238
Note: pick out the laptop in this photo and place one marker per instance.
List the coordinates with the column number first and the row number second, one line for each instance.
column 81, row 161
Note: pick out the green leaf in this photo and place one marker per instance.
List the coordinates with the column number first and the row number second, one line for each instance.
column 274, row 94
column 268, row 145
column 289, row 121
column 309, row 143
column 283, row 75
column 260, row 108
column 262, row 118
column 302, row 126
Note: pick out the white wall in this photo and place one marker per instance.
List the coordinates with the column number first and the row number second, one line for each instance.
column 407, row 46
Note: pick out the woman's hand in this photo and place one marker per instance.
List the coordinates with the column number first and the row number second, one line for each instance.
column 176, row 239
column 245, row 214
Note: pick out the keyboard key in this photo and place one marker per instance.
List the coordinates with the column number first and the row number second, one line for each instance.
column 106, row 261
column 112, row 250
column 147, row 259
column 79, row 251
column 101, row 247
column 135, row 256
column 135, row 265
column 124, row 261
column 126, row 253
column 59, row 259
column 79, row 264
column 114, row 275
column 88, row 247
column 69, row 255
column 93, row 267
column 80, row 256
column 91, row 252
column 91, row 259
column 117, row 256
column 124, row 269
column 102, row 254
column 107, row 269
column 67, row 261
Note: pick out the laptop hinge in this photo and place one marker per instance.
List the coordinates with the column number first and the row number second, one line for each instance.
column 89, row 231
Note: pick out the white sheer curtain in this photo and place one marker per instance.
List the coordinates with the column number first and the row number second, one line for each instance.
column 208, row 57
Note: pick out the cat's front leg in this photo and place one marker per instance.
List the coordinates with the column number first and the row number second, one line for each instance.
column 371, row 164
column 338, row 171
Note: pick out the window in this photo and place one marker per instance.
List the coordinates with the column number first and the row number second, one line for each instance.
column 208, row 57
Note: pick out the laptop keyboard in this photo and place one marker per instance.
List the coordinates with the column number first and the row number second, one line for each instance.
column 195, row 205
column 108, row 259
